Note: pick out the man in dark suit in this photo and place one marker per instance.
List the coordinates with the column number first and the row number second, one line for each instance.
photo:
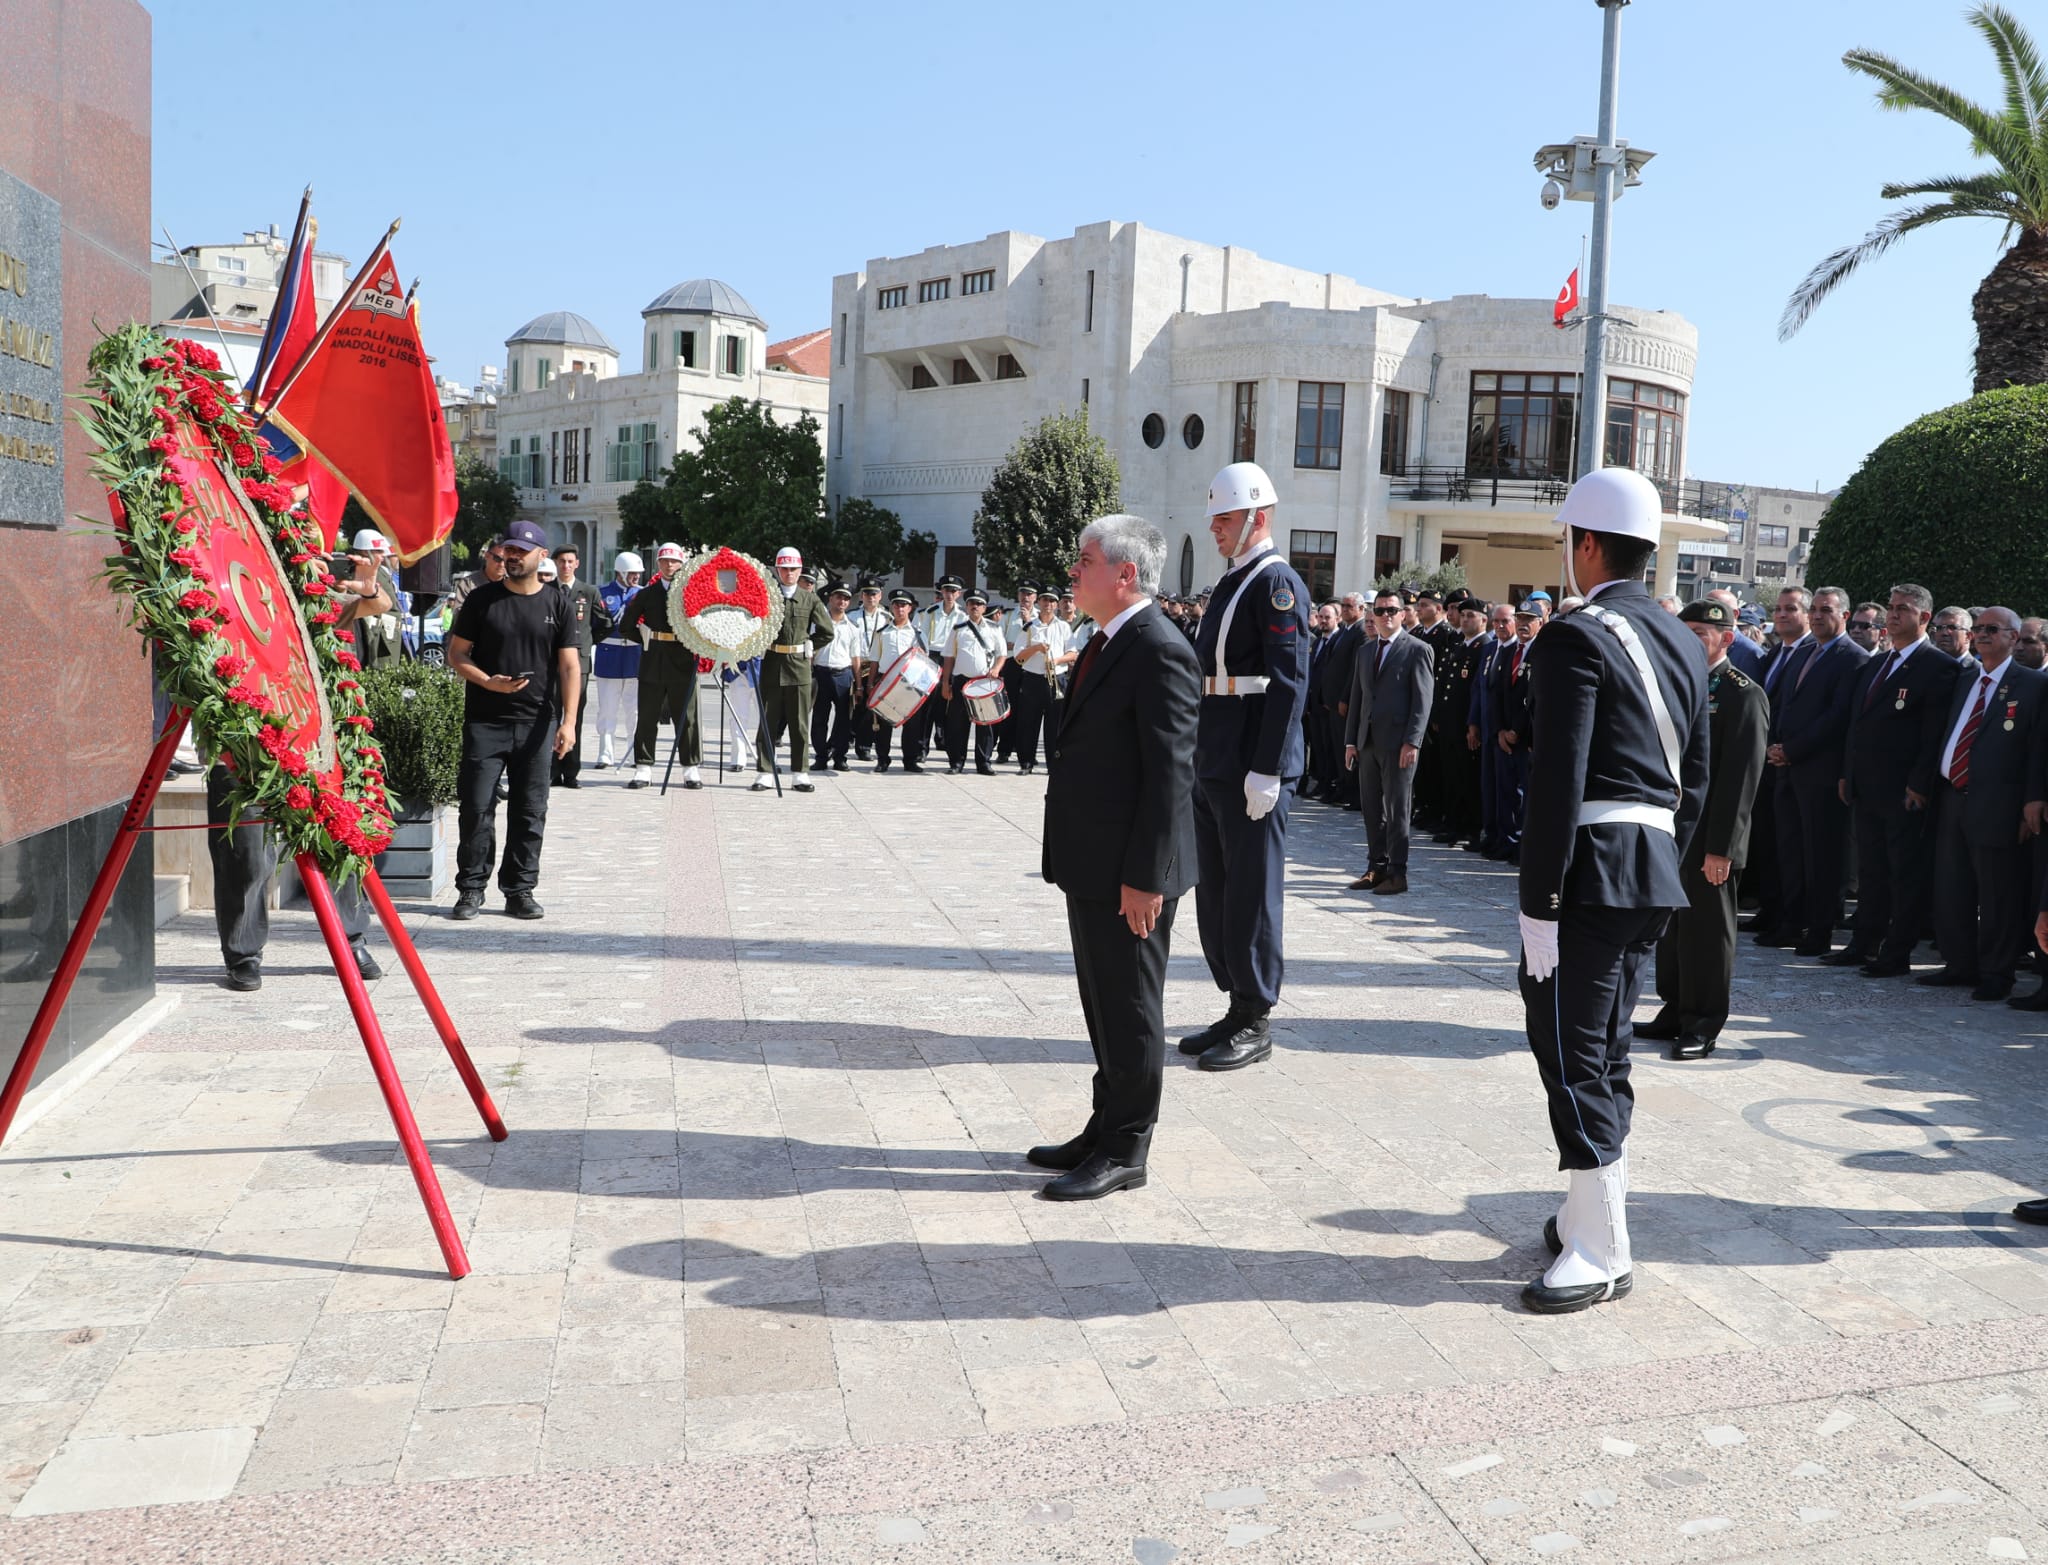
column 1391, row 695
column 1434, row 630
column 1696, row 956
column 1617, row 782
column 1510, row 735
column 1774, row 924
column 1481, row 724
column 1898, row 718
column 1338, row 669
column 1992, row 799
column 1809, row 728
column 1453, row 702
column 1120, row 842
column 1322, row 624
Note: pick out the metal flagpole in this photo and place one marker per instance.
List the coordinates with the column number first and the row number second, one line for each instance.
column 1607, row 169
column 348, row 297
column 227, row 353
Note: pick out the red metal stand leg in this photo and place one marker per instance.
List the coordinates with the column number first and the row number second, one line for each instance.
column 139, row 806
column 423, row 1174
column 416, row 970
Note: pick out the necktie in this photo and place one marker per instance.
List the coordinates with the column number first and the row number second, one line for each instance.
column 1778, row 668
column 1813, row 657
column 1870, row 696
column 1516, row 672
column 1081, row 663
column 1380, row 660
column 1959, row 765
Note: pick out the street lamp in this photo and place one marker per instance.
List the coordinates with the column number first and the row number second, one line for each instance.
column 1596, row 169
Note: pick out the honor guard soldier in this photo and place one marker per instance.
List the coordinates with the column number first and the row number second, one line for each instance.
column 668, row 676
column 786, row 673
column 1617, row 783
column 869, row 619
column 894, row 639
column 935, row 625
column 615, row 665
column 1253, row 650
column 977, row 649
column 1696, row 957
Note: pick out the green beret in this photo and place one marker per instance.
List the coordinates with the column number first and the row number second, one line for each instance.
column 1705, row 611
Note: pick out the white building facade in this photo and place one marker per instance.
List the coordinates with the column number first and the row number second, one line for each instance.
column 1400, row 433
column 574, row 434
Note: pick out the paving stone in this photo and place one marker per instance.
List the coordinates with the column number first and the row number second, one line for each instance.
column 232, row 1314
column 160, row 1393
column 331, row 1438
column 472, row 1442
column 131, row 1470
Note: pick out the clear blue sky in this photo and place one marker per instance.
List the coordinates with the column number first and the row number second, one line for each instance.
column 587, row 156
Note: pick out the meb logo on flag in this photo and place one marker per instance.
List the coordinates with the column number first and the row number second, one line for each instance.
column 1567, row 300
column 382, row 294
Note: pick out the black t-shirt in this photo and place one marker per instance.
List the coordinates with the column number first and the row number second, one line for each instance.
column 514, row 633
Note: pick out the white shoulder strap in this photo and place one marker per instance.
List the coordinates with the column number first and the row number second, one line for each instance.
column 1270, row 557
column 1660, row 711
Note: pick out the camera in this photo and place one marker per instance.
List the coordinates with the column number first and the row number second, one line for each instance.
column 1553, row 193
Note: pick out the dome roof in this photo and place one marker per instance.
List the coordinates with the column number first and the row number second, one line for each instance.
column 564, row 326
column 704, row 296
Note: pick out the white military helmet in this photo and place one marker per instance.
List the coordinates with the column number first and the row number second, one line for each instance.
column 370, row 541
column 669, row 551
column 626, row 562
column 1614, row 500
column 787, row 556
column 548, row 570
column 1242, row 486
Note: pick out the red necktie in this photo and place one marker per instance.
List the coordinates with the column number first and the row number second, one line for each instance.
column 1081, row 663
column 1515, row 672
column 1959, row 767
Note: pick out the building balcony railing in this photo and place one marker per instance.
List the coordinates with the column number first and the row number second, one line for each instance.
column 1463, row 486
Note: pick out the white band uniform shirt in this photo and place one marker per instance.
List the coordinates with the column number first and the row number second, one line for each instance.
column 844, row 646
column 937, row 623
column 975, row 649
column 891, row 642
column 869, row 626
column 1051, row 635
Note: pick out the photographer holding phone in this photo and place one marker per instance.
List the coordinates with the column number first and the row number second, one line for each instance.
column 368, row 598
column 514, row 644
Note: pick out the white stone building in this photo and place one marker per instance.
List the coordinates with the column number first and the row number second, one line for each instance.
column 575, row 434
column 236, row 289
column 1770, row 536
column 1399, row 432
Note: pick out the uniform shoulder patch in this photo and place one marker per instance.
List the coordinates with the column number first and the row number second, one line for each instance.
column 1740, row 679
column 1283, row 597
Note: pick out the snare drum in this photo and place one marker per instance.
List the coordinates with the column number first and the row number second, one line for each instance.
column 904, row 687
column 988, row 703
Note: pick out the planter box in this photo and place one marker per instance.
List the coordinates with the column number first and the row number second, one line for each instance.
column 420, row 863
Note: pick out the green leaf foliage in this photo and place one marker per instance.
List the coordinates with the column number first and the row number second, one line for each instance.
column 488, row 503
column 1445, row 579
column 1956, row 501
column 417, row 709
column 752, row 483
column 1056, row 480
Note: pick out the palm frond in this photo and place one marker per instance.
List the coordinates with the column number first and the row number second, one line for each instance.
column 1990, row 134
column 1993, row 187
column 1837, row 268
column 2026, row 82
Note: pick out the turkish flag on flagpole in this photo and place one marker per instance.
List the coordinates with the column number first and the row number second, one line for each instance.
column 364, row 404
column 1567, row 300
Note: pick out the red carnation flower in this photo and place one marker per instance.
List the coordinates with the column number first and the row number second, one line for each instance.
column 356, row 721
column 298, row 797
column 271, row 465
column 347, row 659
column 187, row 525
column 326, row 616
column 316, row 588
column 200, row 627
column 189, row 558
column 163, row 444
column 196, row 599
column 229, row 666
column 245, row 695
column 348, row 636
column 243, row 453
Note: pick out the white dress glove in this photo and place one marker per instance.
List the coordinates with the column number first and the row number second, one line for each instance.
column 1539, row 946
column 1261, row 793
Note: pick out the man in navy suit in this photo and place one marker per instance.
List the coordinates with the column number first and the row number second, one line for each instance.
column 1809, row 730
column 1392, row 691
column 1775, row 924
column 1617, row 784
column 1331, row 693
column 1483, row 723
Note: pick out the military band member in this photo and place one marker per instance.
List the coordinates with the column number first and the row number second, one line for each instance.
column 1617, row 781
column 1016, row 629
column 894, row 639
column 832, row 704
column 935, row 624
column 1249, row 756
column 668, row 676
column 869, row 618
column 974, row 650
column 1038, row 692
column 1696, row 956
column 786, row 674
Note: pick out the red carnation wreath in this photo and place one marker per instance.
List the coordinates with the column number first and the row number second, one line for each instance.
column 227, row 574
column 722, row 607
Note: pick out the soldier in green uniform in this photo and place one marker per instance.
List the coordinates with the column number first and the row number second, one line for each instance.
column 668, row 676
column 1696, row 956
column 786, row 673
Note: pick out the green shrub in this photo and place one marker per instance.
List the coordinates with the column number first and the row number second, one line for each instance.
column 1956, row 501
column 418, row 712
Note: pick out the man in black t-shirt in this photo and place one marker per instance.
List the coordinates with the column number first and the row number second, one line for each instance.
column 514, row 644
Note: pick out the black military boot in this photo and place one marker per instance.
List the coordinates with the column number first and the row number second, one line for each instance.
column 1216, row 1032
column 1250, row 1043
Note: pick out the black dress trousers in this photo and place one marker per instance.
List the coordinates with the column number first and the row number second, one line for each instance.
column 1696, row 957
column 1580, row 1032
column 1123, row 984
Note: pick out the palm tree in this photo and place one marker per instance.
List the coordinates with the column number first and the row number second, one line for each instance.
column 2011, row 304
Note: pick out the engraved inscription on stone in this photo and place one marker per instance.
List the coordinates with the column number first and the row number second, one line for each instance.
column 31, row 358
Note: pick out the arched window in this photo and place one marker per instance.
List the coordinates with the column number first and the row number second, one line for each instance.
column 1187, row 565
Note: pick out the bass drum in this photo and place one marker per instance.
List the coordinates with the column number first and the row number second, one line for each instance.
column 904, row 686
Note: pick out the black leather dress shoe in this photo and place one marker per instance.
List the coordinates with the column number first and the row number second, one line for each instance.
column 1848, row 956
column 467, row 905
column 2034, row 1211
column 1992, row 989
column 1098, row 1175
column 1945, row 978
column 1061, row 1155
column 1540, row 1299
column 1251, row 1043
column 693, row 783
column 1391, row 885
column 245, row 977
column 520, row 904
column 1883, row 967
column 2037, row 1001
column 1691, row 1049
column 366, row 964
column 1819, row 948
column 1216, row 1032
column 1657, row 1031
column 1774, row 937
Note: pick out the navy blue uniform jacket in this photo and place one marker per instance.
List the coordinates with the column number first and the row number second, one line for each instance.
column 1595, row 738
column 1269, row 636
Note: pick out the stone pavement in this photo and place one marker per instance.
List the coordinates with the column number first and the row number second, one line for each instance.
column 760, row 1274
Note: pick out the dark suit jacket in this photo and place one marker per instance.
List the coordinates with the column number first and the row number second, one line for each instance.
column 1510, row 693
column 1749, row 657
column 2006, row 765
column 1810, row 713
column 1390, row 697
column 1333, row 673
column 1738, row 717
column 1596, row 738
column 1896, row 733
column 1120, row 803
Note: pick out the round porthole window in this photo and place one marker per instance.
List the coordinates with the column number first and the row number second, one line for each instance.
column 1153, row 429
column 1191, row 431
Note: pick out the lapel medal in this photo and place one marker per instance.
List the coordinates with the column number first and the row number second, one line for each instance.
column 1900, row 704
column 2011, row 708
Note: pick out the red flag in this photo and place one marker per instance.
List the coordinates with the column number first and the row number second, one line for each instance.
column 1567, row 300
column 294, row 319
column 326, row 495
column 364, row 403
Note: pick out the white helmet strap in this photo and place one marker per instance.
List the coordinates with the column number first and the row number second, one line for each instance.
column 1244, row 532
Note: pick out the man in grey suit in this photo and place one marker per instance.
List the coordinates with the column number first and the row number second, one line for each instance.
column 1384, row 723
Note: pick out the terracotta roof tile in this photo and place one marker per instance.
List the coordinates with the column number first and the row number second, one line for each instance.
column 810, row 354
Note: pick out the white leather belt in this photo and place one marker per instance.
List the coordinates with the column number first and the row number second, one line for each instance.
column 1608, row 812
column 1236, row 685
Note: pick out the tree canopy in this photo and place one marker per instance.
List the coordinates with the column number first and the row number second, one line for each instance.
column 487, row 502
column 1056, row 480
